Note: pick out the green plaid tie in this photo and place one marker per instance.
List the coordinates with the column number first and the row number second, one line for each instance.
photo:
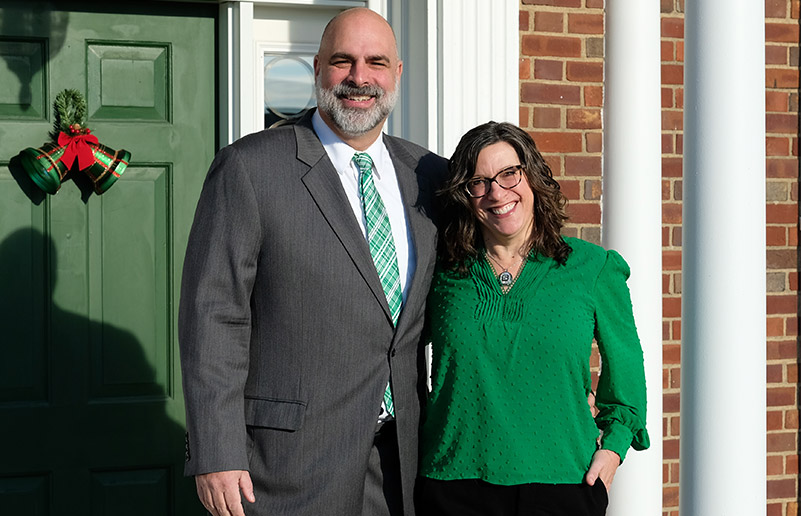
column 382, row 245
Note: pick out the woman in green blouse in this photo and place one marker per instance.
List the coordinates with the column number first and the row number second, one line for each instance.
column 512, row 314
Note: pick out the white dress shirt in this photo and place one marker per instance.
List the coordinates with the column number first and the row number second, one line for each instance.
column 386, row 183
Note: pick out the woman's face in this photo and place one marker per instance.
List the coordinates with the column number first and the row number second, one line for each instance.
column 506, row 217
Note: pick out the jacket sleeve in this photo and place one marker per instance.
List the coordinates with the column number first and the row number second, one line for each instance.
column 214, row 323
column 621, row 396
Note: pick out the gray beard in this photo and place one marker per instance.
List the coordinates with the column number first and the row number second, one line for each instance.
column 355, row 121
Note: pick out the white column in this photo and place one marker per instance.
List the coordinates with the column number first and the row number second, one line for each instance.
column 632, row 218
column 477, row 67
column 723, row 356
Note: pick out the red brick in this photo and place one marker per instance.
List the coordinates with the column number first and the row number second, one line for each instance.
column 781, row 396
column 673, row 28
column 672, row 120
column 524, row 114
column 671, row 167
column 538, row 93
column 782, row 168
column 795, row 6
column 775, row 55
column 775, row 8
column 549, row 45
column 522, row 24
column 547, row 117
column 667, row 98
column 671, row 355
column 791, row 419
column 680, row 51
column 583, row 71
column 791, row 329
column 781, row 350
column 670, row 496
column 665, row 189
column 680, row 98
column 781, row 258
column 793, row 279
column 665, row 290
column 667, row 50
column 578, row 23
column 774, row 420
column 776, row 146
column 781, row 32
column 671, row 213
column 671, row 260
column 524, row 68
column 776, row 236
column 584, row 213
column 781, row 78
column 571, row 188
column 791, row 465
column 782, row 488
column 593, row 96
column 583, row 119
column 595, row 4
column 557, row 142
column 583, row 166
column 672, row 74
column 782, row 304
column 781, row 213
column 549, row 22
column 594, row 142
column 671, row 307
column 548, row 70
column 775, row 465
column 775, row 372
column 554, row 3
column 782, row 123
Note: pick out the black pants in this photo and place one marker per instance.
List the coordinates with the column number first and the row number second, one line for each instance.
column 479, row 498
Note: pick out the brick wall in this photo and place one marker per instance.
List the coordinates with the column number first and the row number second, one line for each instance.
column 561, row 98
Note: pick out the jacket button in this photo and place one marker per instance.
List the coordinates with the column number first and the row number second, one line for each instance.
column 394, row 351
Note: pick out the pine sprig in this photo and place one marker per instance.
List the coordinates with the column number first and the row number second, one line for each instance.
column 70, row 113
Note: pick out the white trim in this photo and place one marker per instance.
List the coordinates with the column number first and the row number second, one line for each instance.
column 263, row 47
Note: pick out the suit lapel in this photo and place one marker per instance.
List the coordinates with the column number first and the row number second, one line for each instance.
column 423, row 234
column 325, row 188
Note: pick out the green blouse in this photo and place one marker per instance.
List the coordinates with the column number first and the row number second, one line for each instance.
column 511, row 372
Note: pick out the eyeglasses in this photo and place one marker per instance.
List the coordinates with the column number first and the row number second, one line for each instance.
column 507, row 178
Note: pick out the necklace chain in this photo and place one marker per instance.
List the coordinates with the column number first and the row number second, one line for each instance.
column 505, row 279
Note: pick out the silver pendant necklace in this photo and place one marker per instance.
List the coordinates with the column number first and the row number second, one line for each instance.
column 505, row 278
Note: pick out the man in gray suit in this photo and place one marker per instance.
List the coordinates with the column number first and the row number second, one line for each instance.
column 303, row 297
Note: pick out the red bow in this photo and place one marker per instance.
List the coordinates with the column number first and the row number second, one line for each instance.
column 77, row 148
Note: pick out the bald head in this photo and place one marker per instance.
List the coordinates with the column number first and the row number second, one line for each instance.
column 358, row 19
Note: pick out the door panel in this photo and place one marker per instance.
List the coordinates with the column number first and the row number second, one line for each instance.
column 90, row 394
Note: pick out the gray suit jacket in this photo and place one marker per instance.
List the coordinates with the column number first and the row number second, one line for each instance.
column 286, row 338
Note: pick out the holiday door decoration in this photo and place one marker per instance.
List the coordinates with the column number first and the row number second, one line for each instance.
column 73, row 146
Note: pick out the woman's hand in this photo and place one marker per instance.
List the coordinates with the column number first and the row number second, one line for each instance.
column 604, row 465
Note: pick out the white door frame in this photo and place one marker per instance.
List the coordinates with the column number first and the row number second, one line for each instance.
column 460, row 66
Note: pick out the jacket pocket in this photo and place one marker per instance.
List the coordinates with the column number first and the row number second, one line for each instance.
column 274, row 413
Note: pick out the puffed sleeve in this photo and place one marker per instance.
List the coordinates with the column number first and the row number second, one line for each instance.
column 621, row 395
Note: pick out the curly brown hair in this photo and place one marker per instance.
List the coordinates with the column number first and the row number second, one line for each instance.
column 461, row 239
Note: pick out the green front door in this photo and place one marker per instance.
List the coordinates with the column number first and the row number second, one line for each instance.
column 91, row 408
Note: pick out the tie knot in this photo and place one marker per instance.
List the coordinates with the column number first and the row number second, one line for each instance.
column 363, row 161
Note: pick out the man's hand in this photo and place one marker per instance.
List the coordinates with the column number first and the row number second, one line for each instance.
column 219, row 492
column 604, row 465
